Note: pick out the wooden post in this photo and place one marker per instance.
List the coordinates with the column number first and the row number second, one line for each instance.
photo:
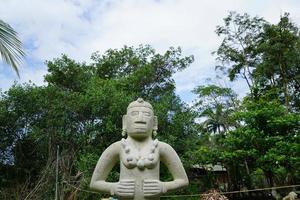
column 56, row 176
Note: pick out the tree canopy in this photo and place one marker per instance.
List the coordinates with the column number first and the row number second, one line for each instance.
column 80, row 110
column 261, row 146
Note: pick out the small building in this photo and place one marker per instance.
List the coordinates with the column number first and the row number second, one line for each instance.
column 210, row 173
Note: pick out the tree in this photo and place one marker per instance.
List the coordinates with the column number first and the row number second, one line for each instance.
column 238, row 50
column 10, row 46
column 215, row 105
column 265, row 137
column 268, row 140
column 265, row 55
column 279, row 69
column 80, row 109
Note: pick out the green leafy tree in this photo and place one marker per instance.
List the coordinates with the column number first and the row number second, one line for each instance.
column 264, row 140
column 80, row 110
column 238, row 50
column 265, row 55
column 214, row 105
column 279, row 68
column 268, row 140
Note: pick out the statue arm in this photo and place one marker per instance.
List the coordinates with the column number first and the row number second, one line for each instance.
column 170, row 158
column 104, row 165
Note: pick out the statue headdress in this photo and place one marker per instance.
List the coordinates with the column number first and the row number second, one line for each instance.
column 140, row 103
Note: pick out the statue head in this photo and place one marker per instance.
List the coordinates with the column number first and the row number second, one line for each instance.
column 139, row 122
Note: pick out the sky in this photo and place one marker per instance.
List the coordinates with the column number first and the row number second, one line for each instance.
column 77, row 28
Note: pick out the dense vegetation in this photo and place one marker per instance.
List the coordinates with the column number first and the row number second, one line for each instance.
column 80, row 111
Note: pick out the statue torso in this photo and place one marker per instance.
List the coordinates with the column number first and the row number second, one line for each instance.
column 139, row 163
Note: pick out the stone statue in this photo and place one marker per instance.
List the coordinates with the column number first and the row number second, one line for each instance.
column 291, row 196
column 139, row 157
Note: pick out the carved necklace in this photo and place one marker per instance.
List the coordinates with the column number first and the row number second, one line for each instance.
column 139, row 161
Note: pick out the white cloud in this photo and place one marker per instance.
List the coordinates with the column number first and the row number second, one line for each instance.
column 80, row 27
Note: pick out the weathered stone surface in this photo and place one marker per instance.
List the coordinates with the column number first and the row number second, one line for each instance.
column 140, row 156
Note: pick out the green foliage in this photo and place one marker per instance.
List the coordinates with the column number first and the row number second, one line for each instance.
column 80, row 110
column 215, row 105
column 268, row 140
column 241, row 35
column 261, row 142
column 279, row 69
column 265, row 55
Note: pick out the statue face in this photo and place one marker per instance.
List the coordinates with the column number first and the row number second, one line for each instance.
column 139, row 123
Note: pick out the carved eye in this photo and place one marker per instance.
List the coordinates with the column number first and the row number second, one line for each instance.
column 147, row 114
column 134, row 113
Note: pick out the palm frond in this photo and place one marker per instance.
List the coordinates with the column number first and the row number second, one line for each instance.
column 11, row 49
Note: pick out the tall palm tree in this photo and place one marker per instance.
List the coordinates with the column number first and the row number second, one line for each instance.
column 217, row 119
column 11, row 49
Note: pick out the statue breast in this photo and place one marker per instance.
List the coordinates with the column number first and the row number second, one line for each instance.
column 132, row 157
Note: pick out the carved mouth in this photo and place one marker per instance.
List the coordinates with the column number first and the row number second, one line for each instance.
column 140, row 123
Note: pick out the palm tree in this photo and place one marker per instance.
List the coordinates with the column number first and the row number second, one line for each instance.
column 216, row 119
column 11, row 49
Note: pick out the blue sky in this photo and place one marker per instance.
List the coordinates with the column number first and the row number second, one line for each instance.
column 49, row 28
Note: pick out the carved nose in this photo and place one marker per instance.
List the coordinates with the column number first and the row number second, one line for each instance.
column 140, row 116
column 141, row 119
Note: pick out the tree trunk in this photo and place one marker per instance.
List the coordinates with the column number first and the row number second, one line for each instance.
column 285, row 86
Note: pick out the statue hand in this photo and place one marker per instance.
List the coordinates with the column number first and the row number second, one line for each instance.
column 124, row 188
column 152, row 188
